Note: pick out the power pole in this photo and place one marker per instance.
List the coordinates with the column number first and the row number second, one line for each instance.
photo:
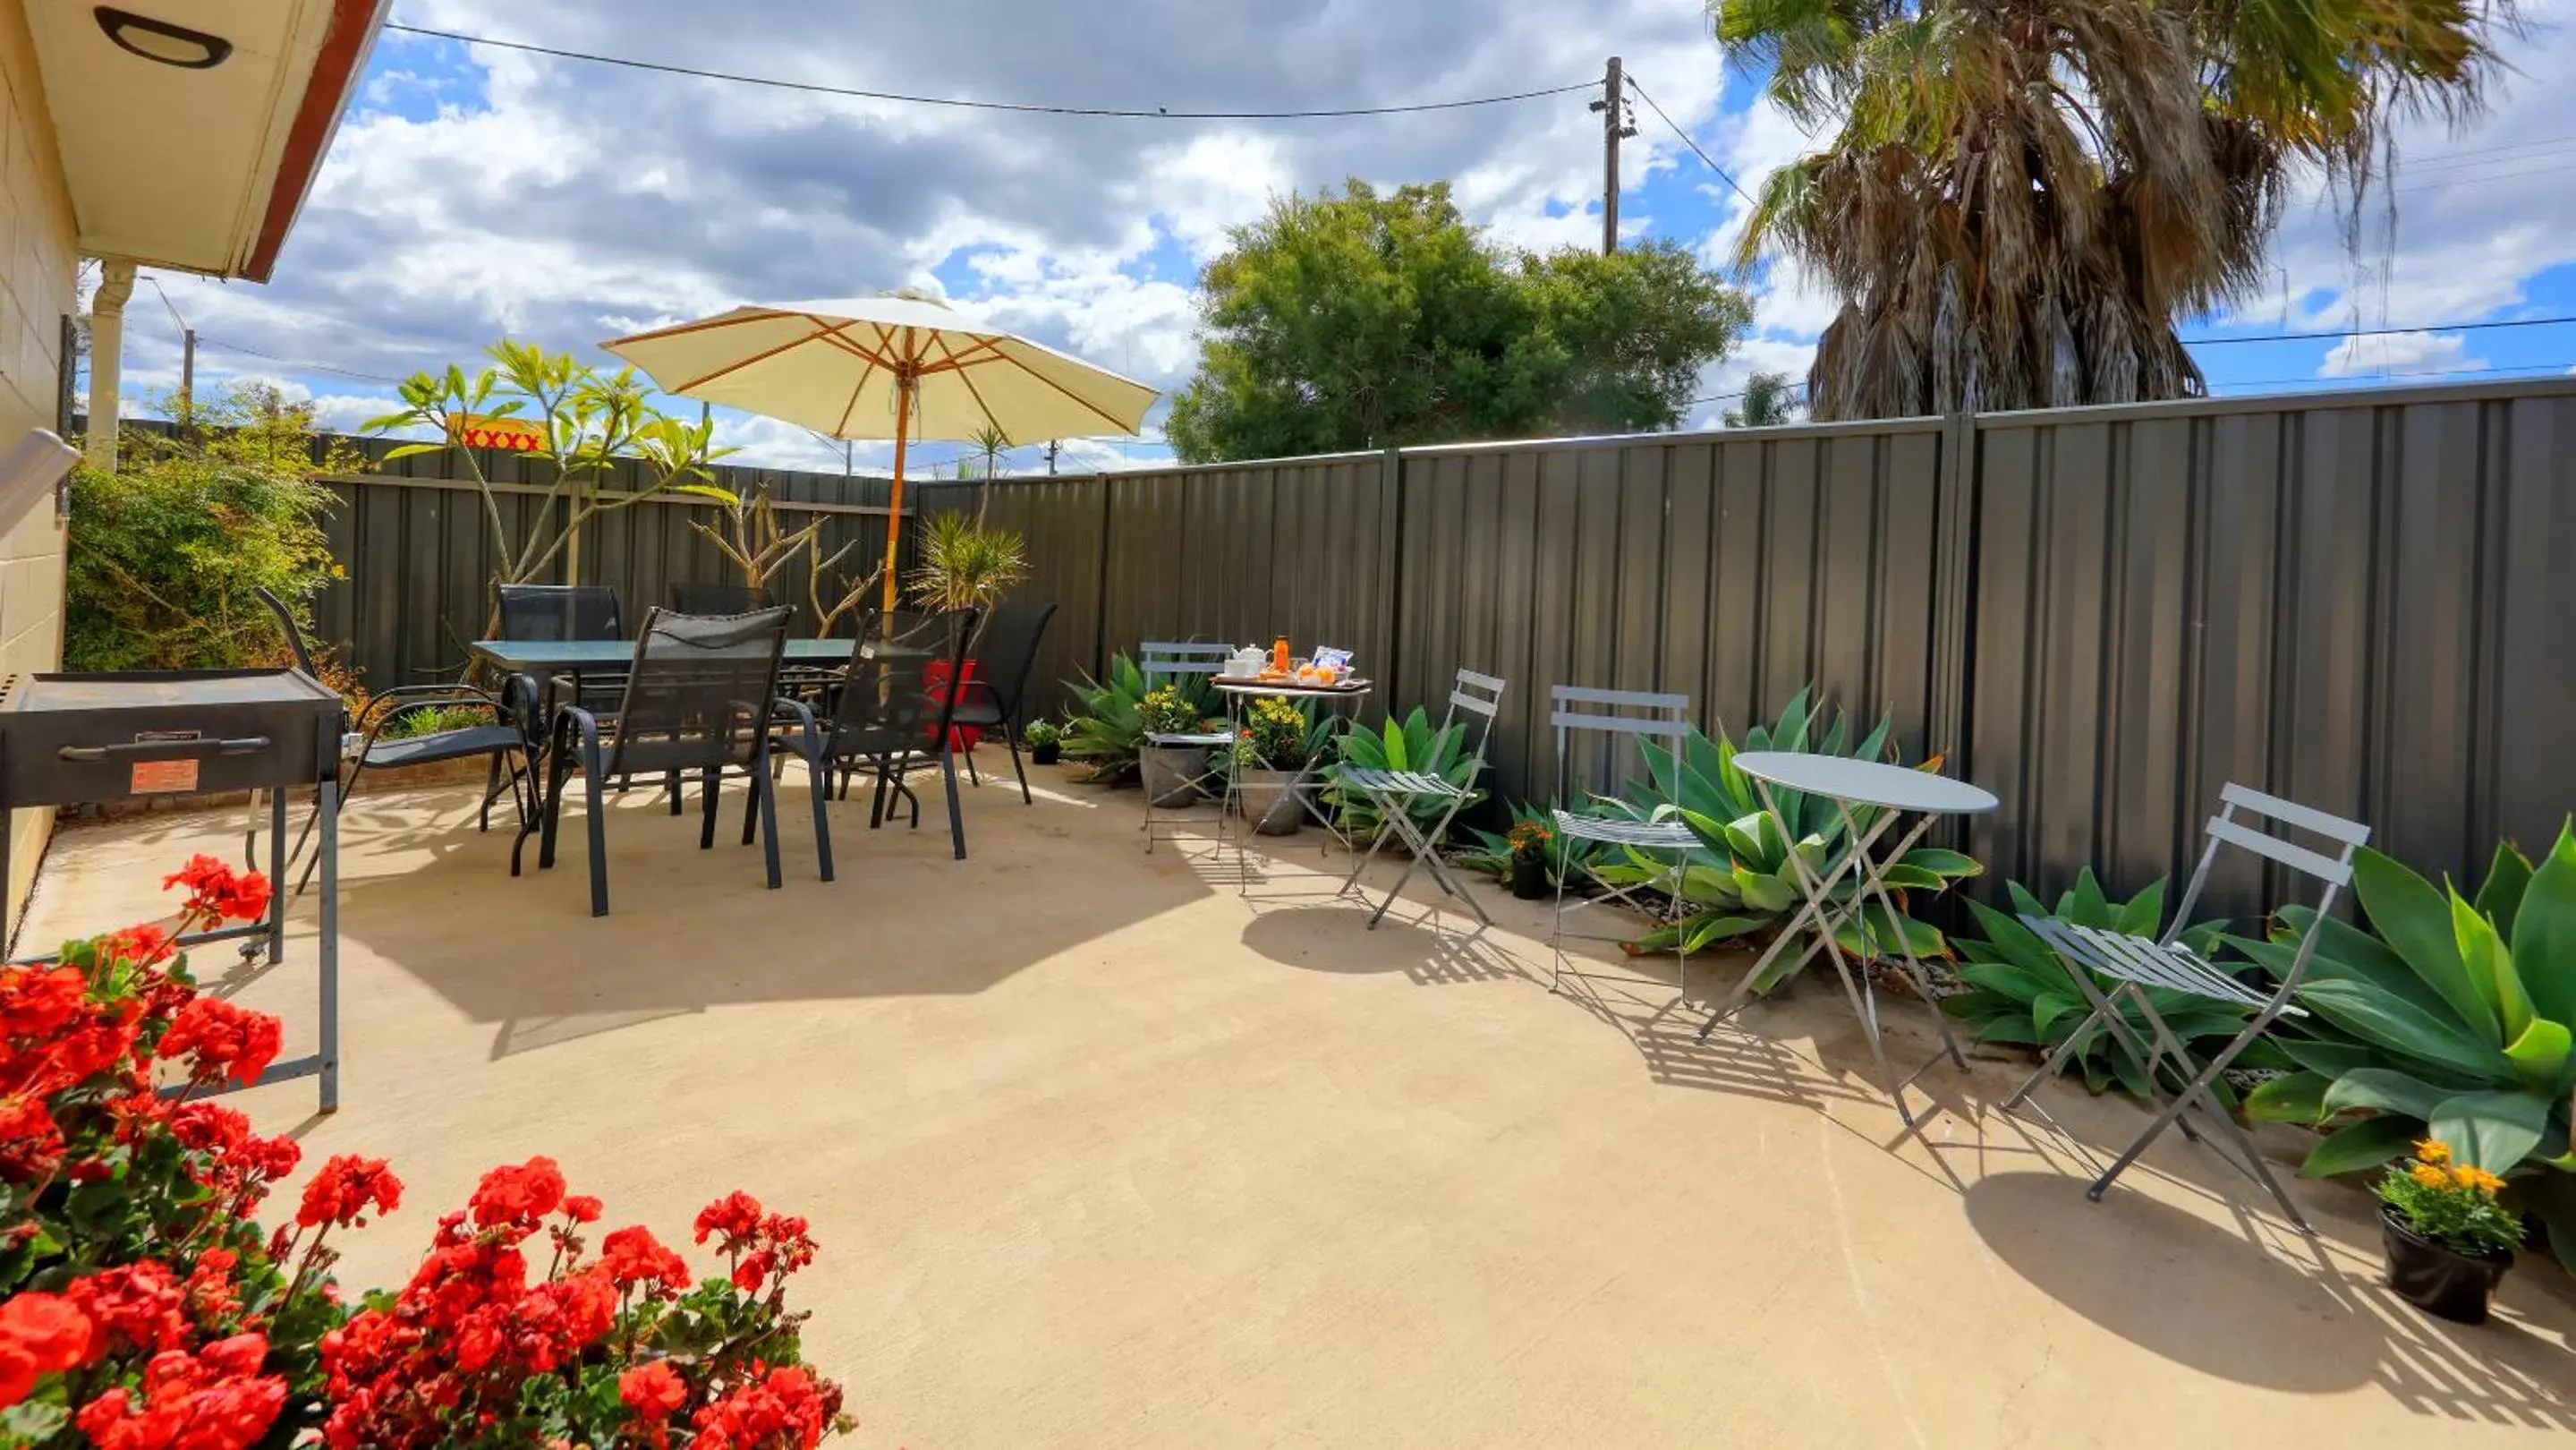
column 1615, row 124
column 1052, row 446
column 188, row 376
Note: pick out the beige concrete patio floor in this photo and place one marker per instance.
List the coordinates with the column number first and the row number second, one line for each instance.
column 1102, row 1153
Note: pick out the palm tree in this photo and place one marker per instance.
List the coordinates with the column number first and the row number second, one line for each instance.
column 1767, row 402
column 2022, row 197
column 991, row 441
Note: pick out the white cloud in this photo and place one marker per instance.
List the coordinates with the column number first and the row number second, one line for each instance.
column 2403, row 352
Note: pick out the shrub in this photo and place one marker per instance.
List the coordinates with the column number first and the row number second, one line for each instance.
column 164, row 553
column 1412, row 743
column 1168, row 710
column 141, row 1305
column 1277, row 734
column 1569, row 859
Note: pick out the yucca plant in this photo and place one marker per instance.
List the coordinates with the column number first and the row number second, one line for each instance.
column 965, row 565
column 2449, row 1019
column 1739, row 883
column 1412, row 743
column 1110, row 727
column 2018, row 990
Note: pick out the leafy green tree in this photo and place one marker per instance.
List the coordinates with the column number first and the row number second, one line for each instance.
column 1368, row 321
column 2021, row 199
column 164, row 553
column 1769, row 401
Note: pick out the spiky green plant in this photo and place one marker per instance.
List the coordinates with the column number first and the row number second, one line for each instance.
column 1110, row 726
column 1412, row 743
column 2449, row 1019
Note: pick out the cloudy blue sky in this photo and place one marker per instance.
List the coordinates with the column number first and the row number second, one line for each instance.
column 477, row 191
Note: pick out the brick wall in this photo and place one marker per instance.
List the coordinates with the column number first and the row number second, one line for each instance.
column 37, row 263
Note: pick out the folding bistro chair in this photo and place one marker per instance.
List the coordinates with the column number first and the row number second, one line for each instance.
column 1576, row 710
column 2136, row 966
column 1394, row 792
column 1171, row 659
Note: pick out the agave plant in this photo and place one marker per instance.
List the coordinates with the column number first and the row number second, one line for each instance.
column 1739, row 881
column 2451, row 1022
column 2018, row 990
column 1412, row 743
column 1110, row 727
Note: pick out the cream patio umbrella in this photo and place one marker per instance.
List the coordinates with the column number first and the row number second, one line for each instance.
column 886, row 367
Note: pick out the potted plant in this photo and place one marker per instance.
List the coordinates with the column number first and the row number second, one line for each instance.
column 965, row 565
column 1045, row 740
column 1271, row 755
column 2448, row 1241
column 1171, row 772
column 1530, row 842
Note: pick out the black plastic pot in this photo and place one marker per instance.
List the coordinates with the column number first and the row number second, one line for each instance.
column 1529, row 877
column 2440, row 1281
column 1045, row 754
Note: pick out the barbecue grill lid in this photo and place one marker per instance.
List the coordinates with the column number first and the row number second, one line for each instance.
column 129, row 688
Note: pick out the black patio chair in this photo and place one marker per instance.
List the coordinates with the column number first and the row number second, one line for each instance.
column 560, row 612
column 700, row 697
column 719, row 598
column 995, row 698
column 887, row 717
column 505, row 739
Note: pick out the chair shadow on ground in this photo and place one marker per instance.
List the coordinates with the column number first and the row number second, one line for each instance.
column 2304, row 1317
column 692, row 929
column 1335, row 936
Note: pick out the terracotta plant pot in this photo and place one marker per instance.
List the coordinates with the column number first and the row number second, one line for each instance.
column 1529, row 877
column 1265, row 800
column 1170, row 772
column 2442, row 1282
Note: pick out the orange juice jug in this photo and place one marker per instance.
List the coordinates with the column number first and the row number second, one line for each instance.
column 1279, row 654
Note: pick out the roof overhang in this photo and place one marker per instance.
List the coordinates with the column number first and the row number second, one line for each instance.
column 201, row 168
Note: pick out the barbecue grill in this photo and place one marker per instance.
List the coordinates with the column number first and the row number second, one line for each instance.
column 69, row 739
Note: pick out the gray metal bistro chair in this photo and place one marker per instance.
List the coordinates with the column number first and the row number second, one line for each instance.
column 504, row 739
column 1616, row 718
column 2135, row 966
column 1394, row 793
column 700, row 698
column 998, row 696
column 1163, row 661
column 886, row 717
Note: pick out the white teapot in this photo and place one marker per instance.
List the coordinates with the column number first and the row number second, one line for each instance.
column 1246, row 662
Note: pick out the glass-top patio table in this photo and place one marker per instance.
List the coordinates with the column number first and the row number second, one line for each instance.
column 572, row 656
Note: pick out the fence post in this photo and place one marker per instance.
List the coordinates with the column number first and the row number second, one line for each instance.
column 1954, row 593
column 1390, row 571
column 1100, row 587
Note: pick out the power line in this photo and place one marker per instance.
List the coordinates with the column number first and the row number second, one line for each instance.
column 1687, row 141
column 1159, row 113
column 299, row 366
column 2367, row 378
column 2379, row 331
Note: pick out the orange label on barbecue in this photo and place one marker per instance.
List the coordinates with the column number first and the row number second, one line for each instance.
column 160, row 777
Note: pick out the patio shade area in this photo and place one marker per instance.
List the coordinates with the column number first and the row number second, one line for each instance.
column 1103, row 1150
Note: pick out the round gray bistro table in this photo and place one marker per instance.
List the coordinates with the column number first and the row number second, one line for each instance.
column 1888, row 793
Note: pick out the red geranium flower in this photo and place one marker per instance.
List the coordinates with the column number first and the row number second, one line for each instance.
column 633, row 1256
column 781, row 1407
column 41, row 1334
column 139, row 1305
column 520, row 1195
column 215, row 1399
column 736, row 1216
column 223, row 1041
column 216, row 893
column 38, row 1001
column 345, row 1188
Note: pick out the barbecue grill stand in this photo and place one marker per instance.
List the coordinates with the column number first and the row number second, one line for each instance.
column 68, row 739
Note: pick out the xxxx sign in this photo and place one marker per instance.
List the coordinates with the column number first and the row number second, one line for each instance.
column 474, row 430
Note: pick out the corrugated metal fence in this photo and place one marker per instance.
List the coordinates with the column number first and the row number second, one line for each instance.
column 2100, row 614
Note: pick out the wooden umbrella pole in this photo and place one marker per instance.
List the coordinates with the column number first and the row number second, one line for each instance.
column 894, row 511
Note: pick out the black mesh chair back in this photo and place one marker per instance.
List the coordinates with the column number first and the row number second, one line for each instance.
column 294, row 632
column 698, row 694
column 560, row 612
column 1009, row 652
column 719, row 598
column 888, row 705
